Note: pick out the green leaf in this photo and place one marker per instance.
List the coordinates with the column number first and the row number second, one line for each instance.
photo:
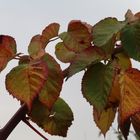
column 104, row 119
column 36, row 47
column 26, row 81
column 105, row 30
column 7, row 50
column 55, row 122
column 50, row 31
column 84, row 59
column 97, row 83
column 63, row 54
column 109, row 46
column 130, row 37
column 78, row 37
column 53, row 84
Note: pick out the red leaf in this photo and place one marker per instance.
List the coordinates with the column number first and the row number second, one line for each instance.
column 7, row 50
column 53, row 84
column 50, row 31
column 78, row 37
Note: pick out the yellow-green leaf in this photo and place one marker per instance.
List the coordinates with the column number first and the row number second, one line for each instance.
column 26, row 81
column 63, row 54
column 36, row 47
column 123, row 60
column 104, row 119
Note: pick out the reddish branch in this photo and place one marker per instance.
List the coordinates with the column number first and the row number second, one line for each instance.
column 9, row 127
column 27, row 122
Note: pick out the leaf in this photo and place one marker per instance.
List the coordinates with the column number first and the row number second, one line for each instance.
column 136, row 123
column 130, row 38
column 130, row 17
column 36, row 47
column 50, row 31
column 104, row 30
column 114, row 96
column 8, row 41
column 26, row 81
column 84, row 59
column 130, row 97
column 97, row 83
column 53, row 84
column 104, row 119
column 63, row 54
column 78, row 37
column 55, row 122
column 123, row 60
column 109, row 46
column 125, row 129
column 24, row 59
column 7, row 50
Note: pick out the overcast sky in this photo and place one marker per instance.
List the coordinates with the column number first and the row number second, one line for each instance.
column 24, row 18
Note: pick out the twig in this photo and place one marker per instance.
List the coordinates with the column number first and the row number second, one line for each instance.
column 12, row 123
column 53, row 39
column 27, row 122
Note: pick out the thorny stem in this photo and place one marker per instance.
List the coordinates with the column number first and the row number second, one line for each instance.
column 18, row 116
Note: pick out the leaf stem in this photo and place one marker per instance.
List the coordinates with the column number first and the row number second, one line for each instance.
column 34, row 129
column 117, row 50
column 53, row 39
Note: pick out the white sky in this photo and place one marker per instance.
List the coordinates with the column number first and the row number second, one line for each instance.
column 22, row 19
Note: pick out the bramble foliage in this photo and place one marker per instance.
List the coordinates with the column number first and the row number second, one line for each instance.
column 110, row 84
